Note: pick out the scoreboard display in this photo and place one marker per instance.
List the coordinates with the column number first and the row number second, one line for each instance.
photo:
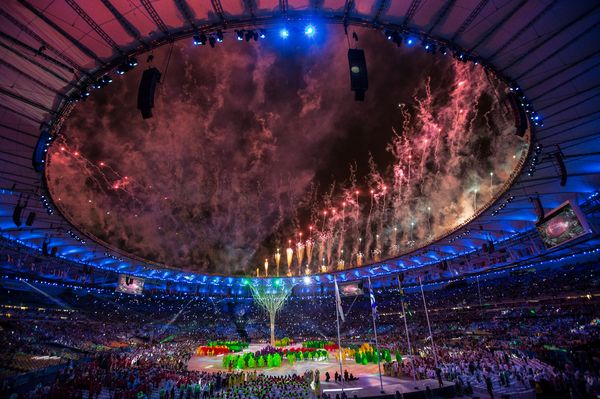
column 563, row 224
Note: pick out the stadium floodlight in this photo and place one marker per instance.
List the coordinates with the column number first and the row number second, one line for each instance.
column 310, row 30
column 101, row 82
column 200, row 40
column 127, row 65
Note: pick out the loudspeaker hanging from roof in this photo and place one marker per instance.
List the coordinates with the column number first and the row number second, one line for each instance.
column 558, row 156
column 16, row 216
column 359, row 81
column 146, row 91
column 537, row 204
column 30, row 219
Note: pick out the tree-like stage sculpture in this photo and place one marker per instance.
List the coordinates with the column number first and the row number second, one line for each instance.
column 271, row 299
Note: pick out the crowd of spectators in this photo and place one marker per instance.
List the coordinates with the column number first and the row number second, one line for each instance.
column 160, row 371
column 528, row 329
column 253, row 386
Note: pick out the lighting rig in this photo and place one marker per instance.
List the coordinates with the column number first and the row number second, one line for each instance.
column 47, row 205
column 535, row 159
column 503, row 205
column 74, row 236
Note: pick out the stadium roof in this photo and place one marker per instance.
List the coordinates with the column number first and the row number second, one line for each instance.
column 549, row 48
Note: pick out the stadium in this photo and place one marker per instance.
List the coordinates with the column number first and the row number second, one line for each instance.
column 299, row 199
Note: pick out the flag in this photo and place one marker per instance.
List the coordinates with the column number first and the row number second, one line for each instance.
column 338, row 300
column 373, row 303
column 400, row 288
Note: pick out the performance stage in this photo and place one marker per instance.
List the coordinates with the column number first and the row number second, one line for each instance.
column 367, row 386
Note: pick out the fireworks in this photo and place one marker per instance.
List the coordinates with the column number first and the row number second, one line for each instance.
column 300, row 255
column 309, row 248
column 290, row 257
column 237, row 187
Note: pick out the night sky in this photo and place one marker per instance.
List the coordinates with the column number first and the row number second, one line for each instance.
column 250, row 142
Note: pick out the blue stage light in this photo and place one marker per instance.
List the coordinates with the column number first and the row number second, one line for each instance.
column 284, row 33
column 310, row 30
column 200, row 40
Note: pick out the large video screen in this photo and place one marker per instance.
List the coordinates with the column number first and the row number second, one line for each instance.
column 351, row 289
column 130, row 285
column 561, row 225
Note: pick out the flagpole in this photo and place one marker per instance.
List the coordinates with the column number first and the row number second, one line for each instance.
column 375, row 332
column 337, row 314
column 478, row 291
column 428, row 324
column 412, row 362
